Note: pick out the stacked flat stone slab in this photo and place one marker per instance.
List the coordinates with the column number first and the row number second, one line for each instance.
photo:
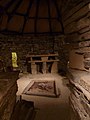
column 77, row 29
column 77, row 22
column 76, row 61
column 80, row 94
column 80, row 58
column 8, row 89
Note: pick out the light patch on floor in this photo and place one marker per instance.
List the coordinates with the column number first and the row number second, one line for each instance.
column 47, row 108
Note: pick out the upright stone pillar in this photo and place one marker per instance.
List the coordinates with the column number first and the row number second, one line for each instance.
column 33, row 68
column 44, row 70
column 54, row 68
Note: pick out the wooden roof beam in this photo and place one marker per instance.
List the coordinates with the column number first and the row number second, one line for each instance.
column 59, row 15
column 9, row 4
column 36, row 16
column 49, row 16
column 15, row 8
column 26, row 16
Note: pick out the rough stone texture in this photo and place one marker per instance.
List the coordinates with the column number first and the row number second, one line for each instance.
column 76, row 61
column 8, row 89
column 80, row 95
column 77, row 29
column 24, row 45
column 80, row 58
column 78, row 108
column 54, row 67
column 85, row 82
column 84, row 44
column 77, row 22
column 33, row 68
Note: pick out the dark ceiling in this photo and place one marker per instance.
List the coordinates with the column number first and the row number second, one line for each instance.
column 30, row 17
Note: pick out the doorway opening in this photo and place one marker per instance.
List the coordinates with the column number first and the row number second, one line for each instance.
column 14, row 60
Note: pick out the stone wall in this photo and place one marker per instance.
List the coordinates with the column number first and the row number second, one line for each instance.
column 24, row 45
column 80, row 94
column 8, row 89
column 76, row 22
column 77, row 36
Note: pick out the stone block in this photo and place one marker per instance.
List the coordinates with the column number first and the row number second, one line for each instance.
column 54, row 68
column 76, row 61
column 33, row 68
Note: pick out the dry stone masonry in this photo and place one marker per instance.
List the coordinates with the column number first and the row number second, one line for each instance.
column 80, row 94
column 8, row 89
column 77, row 30
column 79, row 76
column 36, row 45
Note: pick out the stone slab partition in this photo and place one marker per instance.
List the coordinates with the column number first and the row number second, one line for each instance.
column 79, row 76
column 8, row 89
column 76, row 21
column 80, row 94
column 76, row 60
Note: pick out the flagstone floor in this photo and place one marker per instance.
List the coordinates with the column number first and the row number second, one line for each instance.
column 47, row 108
